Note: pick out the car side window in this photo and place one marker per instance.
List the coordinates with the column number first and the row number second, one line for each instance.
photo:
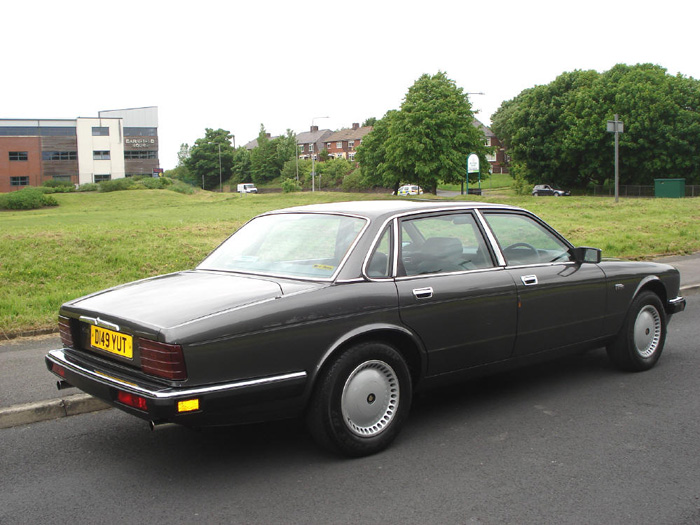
column 379, row 265
column 442, row 244
column 523, row 240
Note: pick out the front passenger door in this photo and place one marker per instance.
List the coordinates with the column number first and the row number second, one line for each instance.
column 560, row 302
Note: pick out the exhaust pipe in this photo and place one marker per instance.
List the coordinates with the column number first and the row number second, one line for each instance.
column 153, row 424
column 63, row 385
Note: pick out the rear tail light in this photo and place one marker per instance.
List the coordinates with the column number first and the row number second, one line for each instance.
column 162, row 360
column 132, row 400
column 65, row 330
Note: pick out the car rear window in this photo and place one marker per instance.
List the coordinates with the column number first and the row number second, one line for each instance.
column 289, row 245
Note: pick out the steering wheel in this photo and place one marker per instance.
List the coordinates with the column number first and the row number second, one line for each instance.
column 522, row 249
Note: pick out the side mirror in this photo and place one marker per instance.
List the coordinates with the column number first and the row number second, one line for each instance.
column 584, row 254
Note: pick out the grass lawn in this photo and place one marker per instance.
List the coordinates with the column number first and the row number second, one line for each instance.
column 95, row 240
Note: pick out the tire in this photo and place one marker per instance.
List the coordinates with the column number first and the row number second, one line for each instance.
column 361, row 400
column 641, row 340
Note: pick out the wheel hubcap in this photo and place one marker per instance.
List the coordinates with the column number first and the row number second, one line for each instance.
column 370, row 398
column 647, row 331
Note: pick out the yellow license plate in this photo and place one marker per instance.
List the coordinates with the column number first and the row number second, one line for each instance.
column 110, row 341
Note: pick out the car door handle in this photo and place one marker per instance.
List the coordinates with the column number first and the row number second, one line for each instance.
column 423, row 293
column 529, row 280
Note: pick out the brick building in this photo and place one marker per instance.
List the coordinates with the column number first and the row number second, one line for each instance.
column 113, row 145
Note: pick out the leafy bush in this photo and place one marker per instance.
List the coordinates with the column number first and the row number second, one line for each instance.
column 152, row 183
column 290, row 185
column 59, row 186
column 26, row 199
column 89, row 186
column 356, row 181
column 116, row 185
column 182, row 187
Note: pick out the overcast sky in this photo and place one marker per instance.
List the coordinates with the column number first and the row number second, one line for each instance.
column 235, row 65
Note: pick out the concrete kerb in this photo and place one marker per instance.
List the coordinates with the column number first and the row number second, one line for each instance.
column 50, row 409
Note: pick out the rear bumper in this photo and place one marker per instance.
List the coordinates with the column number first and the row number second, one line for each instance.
column 239, row 401
column 676, row 305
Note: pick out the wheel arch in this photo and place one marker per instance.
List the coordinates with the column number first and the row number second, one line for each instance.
column 653, row 284
column 402, row 339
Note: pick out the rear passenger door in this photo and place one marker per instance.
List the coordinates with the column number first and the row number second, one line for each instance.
column 451, row 293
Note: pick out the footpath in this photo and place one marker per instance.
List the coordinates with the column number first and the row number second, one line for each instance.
column 28, row 392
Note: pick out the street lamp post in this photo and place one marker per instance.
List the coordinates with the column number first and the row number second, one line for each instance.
column 313, row 159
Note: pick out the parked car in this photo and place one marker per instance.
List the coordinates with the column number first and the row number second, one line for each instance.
column 247, row 188
column 409, row 189
column 546, row 189
column 339, row 312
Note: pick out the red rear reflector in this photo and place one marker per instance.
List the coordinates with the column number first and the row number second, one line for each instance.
column 132, row 400
column 162, row 360
column 58, row 370
column 65, row 331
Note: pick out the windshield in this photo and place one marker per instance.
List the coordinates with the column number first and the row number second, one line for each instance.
column 288, row 245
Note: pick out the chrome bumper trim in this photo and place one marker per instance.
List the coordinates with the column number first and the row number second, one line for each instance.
column 676, row 305
column 59, row 357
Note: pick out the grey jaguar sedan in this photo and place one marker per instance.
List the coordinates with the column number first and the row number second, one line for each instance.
column 338, row 313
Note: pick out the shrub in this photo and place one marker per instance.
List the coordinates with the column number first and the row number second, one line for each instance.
column 153, row 183
column 290, row 185
column 355, row 181
column 116, row 185
column 26, row 199
column 182, row 187
column 59, row 186
column 89, row 186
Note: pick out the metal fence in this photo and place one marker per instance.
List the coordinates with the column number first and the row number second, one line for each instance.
column 636, row 191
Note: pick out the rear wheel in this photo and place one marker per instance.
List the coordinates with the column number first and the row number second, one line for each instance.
column 641, row 340
column 361, row 400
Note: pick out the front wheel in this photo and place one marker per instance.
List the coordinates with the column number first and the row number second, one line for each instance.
column 641, row 340
column 361, row 400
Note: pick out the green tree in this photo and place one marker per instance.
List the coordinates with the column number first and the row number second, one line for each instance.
column 268, row 157
column 557, row 132
column 369, row 122
column 204, row 157
column 242, row 170
column 428, row 140
column 371, row 155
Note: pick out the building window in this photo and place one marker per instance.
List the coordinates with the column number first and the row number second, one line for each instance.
column 19, row 155
column 134, row 155
column 99, row 131
column 140, row 132
column 19, row 181
column 59, row 155
column 102, row 178
column 62, row 178
column 311, row 148
column 100, row 155
column 351, row 144
column 351, row 155
column 328, row 145
column 339, row 145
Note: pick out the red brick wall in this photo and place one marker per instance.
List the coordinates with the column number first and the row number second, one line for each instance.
column 30, row 168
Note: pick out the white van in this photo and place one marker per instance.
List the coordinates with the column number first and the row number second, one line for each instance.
column 247, row 188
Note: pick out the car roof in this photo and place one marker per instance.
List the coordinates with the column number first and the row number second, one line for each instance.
column 375, row 209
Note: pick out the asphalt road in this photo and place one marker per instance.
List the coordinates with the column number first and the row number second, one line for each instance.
column 572, row 441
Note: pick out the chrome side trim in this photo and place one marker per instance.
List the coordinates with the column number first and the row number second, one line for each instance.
column 59, row 357
column 491, row 238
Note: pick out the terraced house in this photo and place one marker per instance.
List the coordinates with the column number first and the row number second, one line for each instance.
column 115, row 144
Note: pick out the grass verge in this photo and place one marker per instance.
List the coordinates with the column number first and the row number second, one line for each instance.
column 95, row 240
